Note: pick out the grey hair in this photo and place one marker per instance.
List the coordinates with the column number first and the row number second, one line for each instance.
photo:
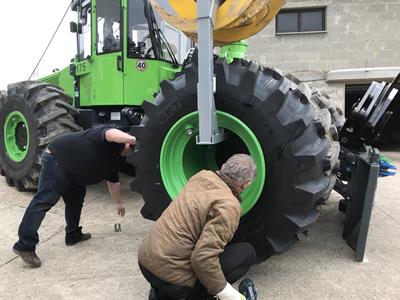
column 240, row 168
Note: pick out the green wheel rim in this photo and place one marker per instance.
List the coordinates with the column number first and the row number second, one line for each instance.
column 16, row 136
column 181, row 158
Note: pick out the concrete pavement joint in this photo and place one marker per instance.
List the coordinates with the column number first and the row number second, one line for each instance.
column 7, row 262
column 45, row 240
column 42, row 242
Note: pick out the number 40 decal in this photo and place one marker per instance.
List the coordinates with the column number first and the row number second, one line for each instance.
column 141, row 65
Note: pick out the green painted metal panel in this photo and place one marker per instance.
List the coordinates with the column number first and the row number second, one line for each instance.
column 107, row 81
column 142, row 79
column 62, row 79
column 86, row 90
column 83, row 68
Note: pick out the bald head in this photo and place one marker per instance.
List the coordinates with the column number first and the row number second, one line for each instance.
column 240, row 168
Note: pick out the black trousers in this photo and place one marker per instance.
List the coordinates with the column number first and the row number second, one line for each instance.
column 235, row 262
column 52, row 185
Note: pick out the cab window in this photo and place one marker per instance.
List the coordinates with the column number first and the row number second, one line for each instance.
column 108, row 26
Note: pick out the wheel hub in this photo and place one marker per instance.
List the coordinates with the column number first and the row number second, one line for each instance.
column 16, row 136
column 181, row 158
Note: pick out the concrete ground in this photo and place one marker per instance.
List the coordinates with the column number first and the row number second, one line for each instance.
column 320, row 266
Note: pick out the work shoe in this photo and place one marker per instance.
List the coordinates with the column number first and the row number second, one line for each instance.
column 28, row 257
column 76, row 236
column 153, row 294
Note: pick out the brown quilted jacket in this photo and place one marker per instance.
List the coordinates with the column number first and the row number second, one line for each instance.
column 184, row 244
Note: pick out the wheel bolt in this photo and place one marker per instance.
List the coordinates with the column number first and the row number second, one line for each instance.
column 189, row 131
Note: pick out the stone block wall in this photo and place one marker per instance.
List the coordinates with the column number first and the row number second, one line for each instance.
column 359, row 34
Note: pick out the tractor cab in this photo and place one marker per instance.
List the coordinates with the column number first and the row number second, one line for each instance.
column 124, row 51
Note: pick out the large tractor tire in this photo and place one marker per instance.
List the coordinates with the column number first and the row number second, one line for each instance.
column 322, row 100
column 329, row 111
column 292, row 141
column 32, row 114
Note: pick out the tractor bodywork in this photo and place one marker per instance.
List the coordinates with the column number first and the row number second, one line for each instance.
column 122, row 56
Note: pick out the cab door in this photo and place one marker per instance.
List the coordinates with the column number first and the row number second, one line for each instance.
column 107, row 63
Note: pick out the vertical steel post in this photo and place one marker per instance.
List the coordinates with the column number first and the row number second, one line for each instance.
column 209, row 133
column 80, row 38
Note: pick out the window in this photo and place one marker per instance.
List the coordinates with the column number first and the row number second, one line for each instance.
column 139, row 38
column 108, row 26
column 301, row 20
column 179, row 43
column 145, row 40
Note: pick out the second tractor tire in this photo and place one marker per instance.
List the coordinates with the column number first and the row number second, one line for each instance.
column 32, row 115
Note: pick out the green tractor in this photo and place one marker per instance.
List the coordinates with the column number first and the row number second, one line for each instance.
column 106, row 82
column 127, row 73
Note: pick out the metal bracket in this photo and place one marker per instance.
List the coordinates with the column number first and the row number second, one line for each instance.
column 369, row 115
column 357, row 177
column 209, row 133
column 359, row 192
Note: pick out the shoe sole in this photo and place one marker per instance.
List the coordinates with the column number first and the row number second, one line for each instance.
column 74, row 243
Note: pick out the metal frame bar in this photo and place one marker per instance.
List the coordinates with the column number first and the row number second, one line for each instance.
column 79, row 34
column 209, row 133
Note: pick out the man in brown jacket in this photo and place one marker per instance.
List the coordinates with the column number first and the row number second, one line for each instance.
column 185, row 255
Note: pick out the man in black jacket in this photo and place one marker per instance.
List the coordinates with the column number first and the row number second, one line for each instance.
column 70, row 163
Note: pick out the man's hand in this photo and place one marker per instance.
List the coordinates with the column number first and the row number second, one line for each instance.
column 229, row 293
column 120, row 209
column 115, row 192
column 118, row 136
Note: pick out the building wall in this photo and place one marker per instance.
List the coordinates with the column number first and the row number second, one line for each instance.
column 360, row 34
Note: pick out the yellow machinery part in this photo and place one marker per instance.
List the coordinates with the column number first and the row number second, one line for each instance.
column 184, row 9
column 235, row 19
column 226, row 14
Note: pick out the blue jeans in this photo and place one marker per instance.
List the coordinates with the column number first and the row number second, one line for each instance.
column 53, row 184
